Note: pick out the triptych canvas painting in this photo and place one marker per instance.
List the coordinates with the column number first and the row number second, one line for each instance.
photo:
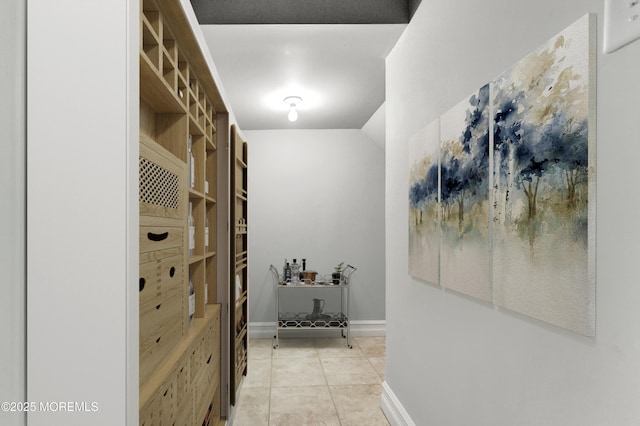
column 502, row 188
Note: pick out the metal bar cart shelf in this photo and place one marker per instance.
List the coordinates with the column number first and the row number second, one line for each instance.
column 307, row 321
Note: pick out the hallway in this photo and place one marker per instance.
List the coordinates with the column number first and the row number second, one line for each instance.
column 313, row 381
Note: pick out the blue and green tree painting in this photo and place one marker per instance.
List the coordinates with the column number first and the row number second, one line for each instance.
column 464, row 195
column 424, row 233
column 540, row 188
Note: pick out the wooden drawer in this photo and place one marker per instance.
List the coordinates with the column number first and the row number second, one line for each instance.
column 205, row 343
column 208, row 364
column 173, row 401
column 204, row 397
column 172, row 276
column 183, row 380
column 185, row 390
column 168, row 404
column 160, row 331
column 210, row 369
column 195, row 354
column 162, row 182
column 160, row 281
column 153, row 354
column 161, row 240
column 150, row 288
column 156, row 321
column 207, row 376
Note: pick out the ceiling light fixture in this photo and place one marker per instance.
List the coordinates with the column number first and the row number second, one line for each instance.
column 293, row 102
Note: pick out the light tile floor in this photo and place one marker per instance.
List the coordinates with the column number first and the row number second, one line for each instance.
column 313, row 381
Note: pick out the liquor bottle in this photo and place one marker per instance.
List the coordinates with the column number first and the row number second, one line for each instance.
column 192, row 231
column 192, row 164
column 295, row 272
column 192, row 297
column 284, row 269
column 287, row 273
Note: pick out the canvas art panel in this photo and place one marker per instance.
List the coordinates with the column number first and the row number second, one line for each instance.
column 543, row 185
column 465, row 256
column 424, row 240
column 502, row 191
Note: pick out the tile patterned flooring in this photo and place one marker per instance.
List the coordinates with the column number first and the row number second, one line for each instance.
column 313, row 381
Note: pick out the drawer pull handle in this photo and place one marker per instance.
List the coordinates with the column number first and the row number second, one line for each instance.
column 209, row 360
column 142, row 283
column 172, row 271
column 157, row 237
column 158, row 339
column 158, row 307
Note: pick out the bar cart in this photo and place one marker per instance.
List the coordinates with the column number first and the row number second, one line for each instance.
column 316, row 320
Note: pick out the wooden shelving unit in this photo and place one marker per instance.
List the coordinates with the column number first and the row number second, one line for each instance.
column 180, row 357
column 238, row 250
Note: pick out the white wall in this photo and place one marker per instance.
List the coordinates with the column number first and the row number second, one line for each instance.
column 375, row 127
column 319, row 195
column 452, row 360
column 12, row 207
column 82, row 211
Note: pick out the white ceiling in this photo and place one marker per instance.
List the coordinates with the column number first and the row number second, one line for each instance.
column 338, row 71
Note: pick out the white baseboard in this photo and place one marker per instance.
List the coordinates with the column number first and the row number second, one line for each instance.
column 369, row 328
column 393, row 409
column 266, row 330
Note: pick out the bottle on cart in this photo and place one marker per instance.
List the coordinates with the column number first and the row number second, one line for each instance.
column 304, row 268
column 295, row 272
column 284, row 268
column 287, row 273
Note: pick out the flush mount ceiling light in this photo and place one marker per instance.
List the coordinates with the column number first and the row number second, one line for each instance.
column 293, row 102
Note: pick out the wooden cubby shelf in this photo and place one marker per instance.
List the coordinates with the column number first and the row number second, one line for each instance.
column 180, row 354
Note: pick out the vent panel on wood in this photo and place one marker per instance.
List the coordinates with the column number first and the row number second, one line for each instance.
column 158, row 185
